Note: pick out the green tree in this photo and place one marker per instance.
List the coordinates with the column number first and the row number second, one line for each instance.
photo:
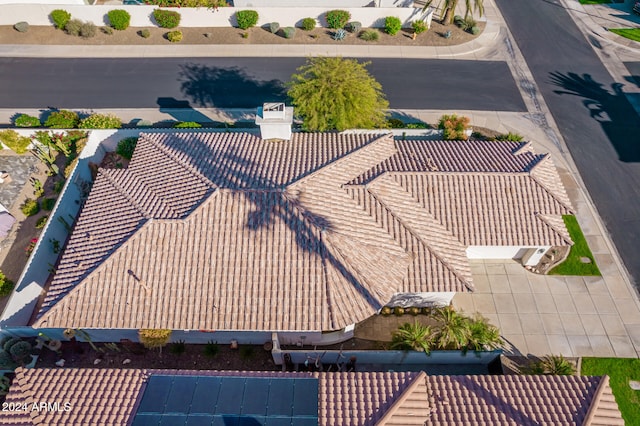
column 337, row 94
column 416, row 337
column 453, row 330
column 449, row 8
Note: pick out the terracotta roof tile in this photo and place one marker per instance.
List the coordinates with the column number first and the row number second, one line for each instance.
column 276, row 239
column 110, row 397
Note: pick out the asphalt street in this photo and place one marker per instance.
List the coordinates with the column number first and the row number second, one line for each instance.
column 599, row 125
column 241, row 83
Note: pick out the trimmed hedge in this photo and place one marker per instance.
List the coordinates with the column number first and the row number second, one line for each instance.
column 119, row 19
column 174, row 36
column 24, row 120
column 246, row 19
column 308, row 24
column 60, row 18
column 63, row 119
column 187, row 125
column 100, row 121
column 166, row 18
column 392, row 25
column 337, row 19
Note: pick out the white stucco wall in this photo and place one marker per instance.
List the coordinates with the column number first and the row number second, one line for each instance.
column 496, row 252
column 38, row 14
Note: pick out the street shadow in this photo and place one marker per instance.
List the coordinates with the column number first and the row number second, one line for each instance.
column 181, row 110
column 611, row 109
column 208, row 86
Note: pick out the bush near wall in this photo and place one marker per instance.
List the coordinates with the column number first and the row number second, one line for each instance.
column 392, row 25
column 308, row 24
column 454, row 127
column 63, row 119
column 174, row 36
column 337, row 19
column 12, row 140
column 166, row 18
column 60, row 18
column 100, row 121
column 6, row 285
column 24, row 120
column 119, row 19
column 246, row 19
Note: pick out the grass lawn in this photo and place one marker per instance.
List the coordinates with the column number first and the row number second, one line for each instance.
column 595, row 1
column 572, row 265
column 630, row 33
column 620, row 370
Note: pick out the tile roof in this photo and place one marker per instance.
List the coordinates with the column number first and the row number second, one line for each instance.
column 110, row 397
column 315, row 233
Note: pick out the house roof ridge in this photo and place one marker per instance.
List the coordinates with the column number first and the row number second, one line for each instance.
column 544, row 161
column 113, row 181
column 189, row 168
column 415, row 234
column 420, row 379
column 546, row 218
column 594, row 412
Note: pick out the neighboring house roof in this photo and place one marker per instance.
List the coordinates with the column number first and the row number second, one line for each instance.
column 112, row 397
column 226, row 231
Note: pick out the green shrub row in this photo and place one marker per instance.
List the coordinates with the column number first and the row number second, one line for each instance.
column 12, row 140
column 246, row 19
column 65, row 119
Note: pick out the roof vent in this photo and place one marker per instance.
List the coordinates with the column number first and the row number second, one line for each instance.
column 275, row 119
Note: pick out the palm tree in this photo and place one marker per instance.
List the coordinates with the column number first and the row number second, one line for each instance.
column 416, row 337
column 449, row 8
column 482, row 335
column 453, row 330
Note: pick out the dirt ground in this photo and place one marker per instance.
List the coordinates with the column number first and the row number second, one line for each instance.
column 81, row 355
column 48, row 35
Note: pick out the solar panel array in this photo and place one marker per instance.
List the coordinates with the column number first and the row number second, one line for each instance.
column 228, row 401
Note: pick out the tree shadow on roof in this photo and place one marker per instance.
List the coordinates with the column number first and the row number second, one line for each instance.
column 208, row 86
column 611, row 110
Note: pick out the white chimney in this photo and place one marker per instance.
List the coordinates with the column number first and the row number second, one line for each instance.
column 275, row 119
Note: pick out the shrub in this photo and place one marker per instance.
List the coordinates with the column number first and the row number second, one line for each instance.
column 57, row 186
column 6, row 285
column 12, row 140
column 453, row 127
column 246, row 19
column 166, row 18
column 418, row 125
column 119, row 19
column 211, row 349
column 48, row 203
column 24, row 120
column 20, row 350
column 69, row 168
column 88, row 30
column 392, row 25
column 107, row 30
column 41, row 222
column 100, row 121
column 60, row 18
column 467, row 23
column 386, row 311
column 289, row 32
column 398, row 311
column 419, row 27
column 510, row 137
column 245, row 35
column 395, row 123
column 475, row 30
column 126, row 147
column 187, row 125
column 178, row 348
column 339, row 35
column 337, row 18
column 152, row 338
column 174, row 36
column 73, row 27
column 30, row 207
column 144, row 33
column 63, row 119
column 370, row 35
column 308, row 24
column 458, row 20
column 274, row 27
column 21, row 27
